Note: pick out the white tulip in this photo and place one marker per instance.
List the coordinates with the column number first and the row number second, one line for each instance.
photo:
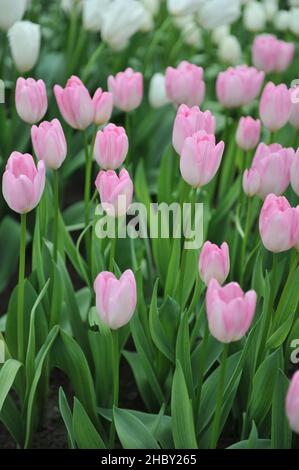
column 24, row 40
column 281, row 20
column 191, row 34
column 148, row 22
column 153, row 6
column 294, row 21
column 294, row 3
column 218, row 34
column 183, row 7
column 254, row 17
column 229, row 50
column 214, row 13
column 69, row 5
column 93, row 13
column 10, row 12
column 182, row 20
column 271, row 7
column 157, row 91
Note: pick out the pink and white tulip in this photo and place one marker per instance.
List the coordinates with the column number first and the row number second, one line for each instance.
column 275, row 106
column 271, row 54
column 116, row 192
column 279, row 224
column 115, row 298
column 294, row 115
column 127, row 89
column 230, row 311
column 185, row 85
column 22, row 183
column 248, row 133
column 251, row 182
column 103, row 106
column 295, row 173
column 111, row 147
column 49, row 143
column 292, row 403
column 214, row 262
column 31, row 99
column 188, row 121
column 200, row 158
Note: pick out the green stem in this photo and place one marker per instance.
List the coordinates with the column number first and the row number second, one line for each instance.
column 56, row 213
column 245, row 239
column 202, row 363
column 21, row 289
column 116, row 361
column 217, row 417
column 94, row 57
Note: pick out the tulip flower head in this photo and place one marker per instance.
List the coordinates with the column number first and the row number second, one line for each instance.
column 185, row 85
column 127, row 89
column 31, row 99
column 248, row 133
column 24, row 40
column 214, row 262
column 49, row 143
column 103, row 106
column 11, row 12
column 292, row 403
column 275, row 106
column 116, row 192
column 271, row 54
column 157, row 91
column 111, row 147
column 295, row 173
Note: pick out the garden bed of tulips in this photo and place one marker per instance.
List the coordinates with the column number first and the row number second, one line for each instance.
column 149, row 224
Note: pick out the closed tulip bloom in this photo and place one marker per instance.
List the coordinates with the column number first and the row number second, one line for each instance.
column 11, row 12
column 278, row 224
column 254, row 17
column 271, row 54
column 294, row 114
column 251, row 182
column 183, row 7
column 23, row 184
column 220, row 33
column 185, row 85
column 248, row 133
column 188, row 121
column 31, row 99
column 200, row 158
column 281, row 20
column 103, row 106
column 75, row 104
column 238, row 86
column 49, row 143
column 127, row 89
column 294, row 20
column 292, row 403
column 157, row 91
column 230, row 311
column 295, row 173
column 24, row 40
column 214, row 262
column 214, row 13
column 116, row 192
column 115, row 298
column 275, row 106
column 229, row 50
column 111, row 147
column 92, row 14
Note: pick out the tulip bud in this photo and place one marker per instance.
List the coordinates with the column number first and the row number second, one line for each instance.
column 254, row 17
column 115, row 298
column 281, row 20
column 11, row 12
column 230, row 50
column 111, row 147
column 188, row 121
column 275, row 106
column 191, row 34
column 248, row 133
column 278, row 224
column 294, row 20
column 271, row 7
column 75, row 104
column 23, row 184
column 70, row 5
column 157, row 91
column 49, row 143
column 24, row 41
column 116, row 192
column 214, row 262
column 295, row 173
column 251, row 182
column 229, row 310
column 153, row 6
column 103, row 106
column 270, row 54
column 294, row 115
column 200, row 158
column 216, row 13
column 220, row 33
column 183, row 7
column 185, row 85
column 127, row 89
column 31, row 99
column 292, row 403
column 92, row 14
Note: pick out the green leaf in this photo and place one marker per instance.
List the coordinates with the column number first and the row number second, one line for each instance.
column 66, row 416
column 281, row 434
column 8, row 374
column 183, row 353
column 10, row 239
column 86, row 435
column 132, row 433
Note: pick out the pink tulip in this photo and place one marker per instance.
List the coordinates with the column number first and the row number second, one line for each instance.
column 214, row 262
column 23, row 184
column 31, row 99
column 187, row 122
column 238, row 86
column 229, row 310
column 103, row 106
column 270, row 54
column 273, row 163
column 295, row 173
column 75, row 103
column 185, row 85
column 292, row 403
column 275, row 106
column 116, row 192
column 111, row 147
column 278, row 224
column 127, row 89
column 49, row 143
column 115, row 298
column 294, row 115
column 251, row 182
column 200, row 158
column 248, row 133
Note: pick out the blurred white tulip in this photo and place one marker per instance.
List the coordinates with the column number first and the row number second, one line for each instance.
column 254, row 17
column 271, row 7
column 182, row 20
column 24, row 40
column 229, row 50
column 281, row 20
column 157, row 91
column 69, row 5
column 294, row 3
column 183, row 7
column 148, row 21
column 294, row 21
column 214, row 13
column 10, row 12
column 218, row 34
column 192, row 35
column 92, row 14
column 152, row 6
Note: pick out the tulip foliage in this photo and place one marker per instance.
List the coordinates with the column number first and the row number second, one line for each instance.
column 176, row 328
